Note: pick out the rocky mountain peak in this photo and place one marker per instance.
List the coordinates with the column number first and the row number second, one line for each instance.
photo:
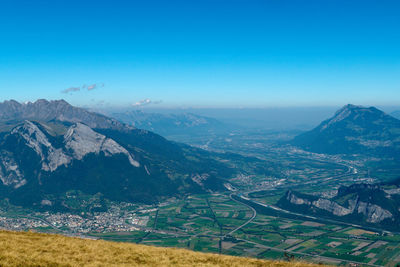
column 82, row 140
column 79, row 141
column 350, row 107
column 354, row 129
column 350, row 111
column 11, row 103
column 51, row 147
column 41, row 102
column 33, row 135
column 35, row 138
column 59, row 110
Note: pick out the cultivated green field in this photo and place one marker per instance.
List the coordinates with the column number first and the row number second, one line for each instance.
column 203, row 223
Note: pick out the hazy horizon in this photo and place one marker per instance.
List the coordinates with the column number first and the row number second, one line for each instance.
column 262, row 118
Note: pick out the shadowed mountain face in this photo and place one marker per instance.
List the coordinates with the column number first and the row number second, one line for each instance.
column 354, row 130
column 48, row 148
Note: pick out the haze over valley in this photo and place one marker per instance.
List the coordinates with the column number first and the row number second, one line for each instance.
column 68, row 170
column 254, row 132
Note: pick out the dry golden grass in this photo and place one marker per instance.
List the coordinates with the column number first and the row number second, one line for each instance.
column 33, row 249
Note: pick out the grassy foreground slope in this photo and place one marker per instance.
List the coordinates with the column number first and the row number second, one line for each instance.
column 33, row 249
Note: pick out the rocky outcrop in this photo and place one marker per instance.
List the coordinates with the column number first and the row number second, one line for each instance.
column 331, row 207
column 51, row 157
column 292, row 198
column 10, row 174
column 60, row 110
column 394, row 191
column 79, row 141
column 372, row 212
column 200, row 178
column 82, row 140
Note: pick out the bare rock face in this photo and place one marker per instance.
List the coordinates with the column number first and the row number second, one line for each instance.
column 34, row 137
column 200, row 178
column 340, row 115
column 55, row 159
column 51, row 157
column 60, row 110
column 297, row 200
column 82, row 140
column 10, row 175
column 372, row 212
column 332, row 207
column 321, row 203
column 395, row 191
column 79, row 141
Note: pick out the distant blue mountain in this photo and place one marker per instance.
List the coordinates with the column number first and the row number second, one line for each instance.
column 354, row 130
column 172, row 124
column 396, row 114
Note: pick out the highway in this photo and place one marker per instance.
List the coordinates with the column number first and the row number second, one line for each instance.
column 246, row 223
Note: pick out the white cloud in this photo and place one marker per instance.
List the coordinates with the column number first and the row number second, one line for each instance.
column 70, row 90
column 88, row 87
column 94, row 86
column 146, row 102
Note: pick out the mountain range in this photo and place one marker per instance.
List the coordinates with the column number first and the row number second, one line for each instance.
column 361, row 131
column 42, row 110
column 50, row 147
column 172, row 124
column 354, row 130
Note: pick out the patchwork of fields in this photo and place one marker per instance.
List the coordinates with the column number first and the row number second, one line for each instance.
column 212, row 223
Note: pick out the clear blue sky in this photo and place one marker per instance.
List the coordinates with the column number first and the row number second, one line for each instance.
column 202, row 52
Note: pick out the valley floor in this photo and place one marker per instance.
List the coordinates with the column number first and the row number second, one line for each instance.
column 220, row 223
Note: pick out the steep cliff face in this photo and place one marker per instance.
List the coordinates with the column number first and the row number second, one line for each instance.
column 10, row 174
column 51, row 157
column 331, row 207
column 363, row 203
column 79, row 140
column 82, row 140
